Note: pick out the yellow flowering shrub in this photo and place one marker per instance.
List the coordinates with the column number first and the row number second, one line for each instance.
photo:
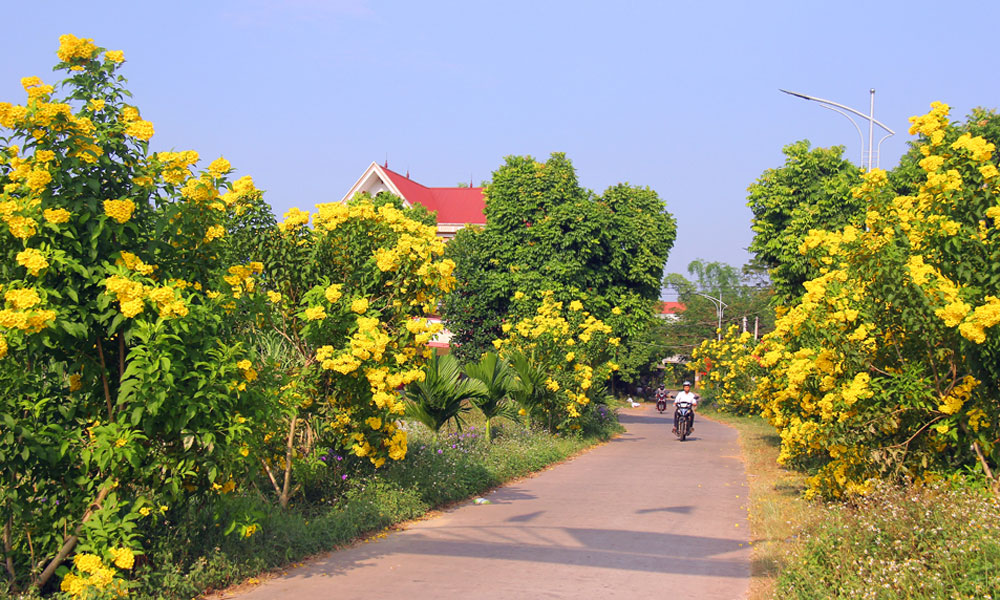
column 573, row 349
column 353, row 283
column 889, row 365
column 117, row 356
column 730, row 367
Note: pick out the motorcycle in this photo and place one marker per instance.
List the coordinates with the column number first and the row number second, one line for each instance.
column 661, row 404
column 683, row 416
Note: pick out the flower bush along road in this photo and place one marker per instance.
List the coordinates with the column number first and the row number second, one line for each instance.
column 889, row 366
column 131, row 364
column 571, row 347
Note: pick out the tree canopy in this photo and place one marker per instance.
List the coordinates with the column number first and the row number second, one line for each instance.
column 811, row 191
column 545, row 232
column 744, row 293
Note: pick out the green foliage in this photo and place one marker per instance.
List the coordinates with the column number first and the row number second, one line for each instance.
column 473, row 309
column 442, row 395
column 118, row 385
column 811, row 191
column 745, row 293
column 498, row 380
column 545, row 232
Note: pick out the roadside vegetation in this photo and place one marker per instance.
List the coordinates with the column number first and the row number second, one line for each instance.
column 191, row 391
column 870, row 414
column 936, row 539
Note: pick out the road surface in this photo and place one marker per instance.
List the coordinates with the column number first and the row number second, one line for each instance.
column 643, row 516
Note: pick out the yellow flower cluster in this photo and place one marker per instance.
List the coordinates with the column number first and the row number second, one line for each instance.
column 119, row 210
column 214, row 232
column 176, row 166
column 294, row 219
column 731, row 366
column 56, row 216
column 33, row 260
column 99, row 578
column 241, row 278
column 872, row 358
column 72, row 48
column 977, row 147
column 140, row 129
column 23, row 312
column 932, row 124
column 953, row 401
column 219, row 167
column 129, row 294
column 547, row 336
column 134, row 263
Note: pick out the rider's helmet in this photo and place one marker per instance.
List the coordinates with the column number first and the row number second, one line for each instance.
column 687, row 384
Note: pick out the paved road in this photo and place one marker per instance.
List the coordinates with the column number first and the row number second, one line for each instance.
column 644, row 516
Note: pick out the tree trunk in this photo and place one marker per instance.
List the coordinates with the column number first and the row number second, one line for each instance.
column 71, row 541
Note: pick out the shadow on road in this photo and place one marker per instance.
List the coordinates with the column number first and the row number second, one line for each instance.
column 595, row 548
column 627, row 418
column 683, row 510
column 507, row 495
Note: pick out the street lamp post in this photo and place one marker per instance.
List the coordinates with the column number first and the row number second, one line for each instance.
column 870, row 117
column 719, row 308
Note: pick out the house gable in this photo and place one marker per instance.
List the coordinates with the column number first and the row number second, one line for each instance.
column 456, row 207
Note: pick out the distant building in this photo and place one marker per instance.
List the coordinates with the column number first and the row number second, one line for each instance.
column 456, row 207
column 670, row 310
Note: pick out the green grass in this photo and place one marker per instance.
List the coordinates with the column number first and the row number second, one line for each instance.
column 192, row 555
column 916, row 542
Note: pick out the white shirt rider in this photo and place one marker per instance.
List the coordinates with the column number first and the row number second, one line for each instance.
column 686, row 396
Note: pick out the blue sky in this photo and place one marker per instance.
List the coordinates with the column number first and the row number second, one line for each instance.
column 680, row 97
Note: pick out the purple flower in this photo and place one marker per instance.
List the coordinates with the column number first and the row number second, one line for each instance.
column 339, row 457
column 440, row 451
column 343, row 477
column 322, row 458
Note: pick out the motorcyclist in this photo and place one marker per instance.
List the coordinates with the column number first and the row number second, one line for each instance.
column 661, row 395
column 685, row 396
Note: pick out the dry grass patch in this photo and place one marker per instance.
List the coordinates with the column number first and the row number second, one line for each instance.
column 778, row 513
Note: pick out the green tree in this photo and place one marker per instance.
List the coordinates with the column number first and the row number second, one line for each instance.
column 545, row 232
column 811, row 191
column 745, row 293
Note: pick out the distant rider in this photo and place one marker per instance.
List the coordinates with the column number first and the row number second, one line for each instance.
column 685, row 396
column 661, row 394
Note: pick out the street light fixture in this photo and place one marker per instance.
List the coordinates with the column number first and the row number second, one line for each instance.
column 870, row 117
column 719, row 308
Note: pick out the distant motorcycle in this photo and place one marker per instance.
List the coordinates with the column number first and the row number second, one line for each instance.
column 661, row 400
column 684, row 417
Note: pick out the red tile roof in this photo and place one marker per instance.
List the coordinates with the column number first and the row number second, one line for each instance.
column 453, row 205
column 671, row 308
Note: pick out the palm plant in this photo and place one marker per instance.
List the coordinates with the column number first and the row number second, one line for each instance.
column 441, row 396
column 528, row 385
column 498, row 381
